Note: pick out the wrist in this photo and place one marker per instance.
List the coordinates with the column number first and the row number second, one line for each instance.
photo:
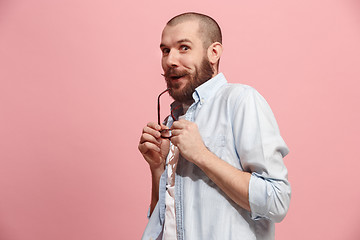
column 157, row 170
column 201, row 156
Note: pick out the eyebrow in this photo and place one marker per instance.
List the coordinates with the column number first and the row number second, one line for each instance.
column 185, row 40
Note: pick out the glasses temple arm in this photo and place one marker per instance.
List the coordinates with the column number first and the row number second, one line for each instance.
column 158, row 103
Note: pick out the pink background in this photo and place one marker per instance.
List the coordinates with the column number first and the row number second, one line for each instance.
column 79, row 79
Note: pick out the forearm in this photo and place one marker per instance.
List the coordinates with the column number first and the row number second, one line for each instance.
column 155, row 182
column 154, row 150
column 232, row 181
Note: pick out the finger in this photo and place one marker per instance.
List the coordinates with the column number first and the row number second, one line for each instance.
column 164, row 127
column 146, row 137
column 176, row 132
column 178, row 124
column 174, row 140
column 147, row 146
column 151, row 131
column 154, row 126
column 165, row 134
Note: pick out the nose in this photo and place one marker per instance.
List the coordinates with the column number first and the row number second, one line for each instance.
column 172, row 59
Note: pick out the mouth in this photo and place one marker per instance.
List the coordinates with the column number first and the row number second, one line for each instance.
column 176, row 77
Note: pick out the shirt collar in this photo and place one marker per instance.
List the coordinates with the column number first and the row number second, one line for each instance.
column 206, row 90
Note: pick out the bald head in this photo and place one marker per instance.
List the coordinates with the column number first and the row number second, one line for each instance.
column 209, row 30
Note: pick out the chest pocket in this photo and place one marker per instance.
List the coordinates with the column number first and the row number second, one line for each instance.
column 216, row 144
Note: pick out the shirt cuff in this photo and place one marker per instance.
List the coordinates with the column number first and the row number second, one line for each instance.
column 257, row 198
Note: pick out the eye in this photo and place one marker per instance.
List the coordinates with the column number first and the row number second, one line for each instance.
column 184, row 48
column 165, row 51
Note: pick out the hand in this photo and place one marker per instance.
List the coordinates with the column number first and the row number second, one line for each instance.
column 153, row 148
column 186, row 136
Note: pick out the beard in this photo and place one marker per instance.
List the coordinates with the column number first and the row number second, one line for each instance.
column 201, row 75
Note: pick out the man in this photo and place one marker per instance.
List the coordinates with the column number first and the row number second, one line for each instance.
column 220, row 174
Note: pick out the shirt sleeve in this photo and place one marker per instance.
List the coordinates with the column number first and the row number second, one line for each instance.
column 261, row 150
column 155, row 224
column 154, row 227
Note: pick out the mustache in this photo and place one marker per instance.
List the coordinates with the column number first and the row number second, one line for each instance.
column 172, row 72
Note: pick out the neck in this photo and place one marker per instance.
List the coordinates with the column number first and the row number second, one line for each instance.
column 189, row 102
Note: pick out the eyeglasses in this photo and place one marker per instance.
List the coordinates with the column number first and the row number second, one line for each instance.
column 165, row 133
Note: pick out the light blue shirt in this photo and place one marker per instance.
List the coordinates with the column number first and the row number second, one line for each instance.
column 238, row 126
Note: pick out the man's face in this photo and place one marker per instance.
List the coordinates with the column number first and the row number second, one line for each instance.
column 184, row 60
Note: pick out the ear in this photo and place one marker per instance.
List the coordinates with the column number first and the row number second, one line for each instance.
column 214, row 52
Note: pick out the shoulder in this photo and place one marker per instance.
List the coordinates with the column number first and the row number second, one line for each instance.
column 240, row 99
column 235, row 92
